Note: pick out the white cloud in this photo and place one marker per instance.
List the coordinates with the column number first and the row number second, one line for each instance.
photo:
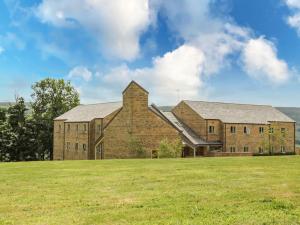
column 176, row 71
column 294, row 19
column 80, row 72
column 219, row 38
column 117, row 25
column 260, row 60
column 177, row 74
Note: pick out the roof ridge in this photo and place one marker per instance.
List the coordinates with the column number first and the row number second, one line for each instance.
column 101, row 103
column 227, row 103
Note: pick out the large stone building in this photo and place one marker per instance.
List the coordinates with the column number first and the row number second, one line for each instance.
column 115, row 129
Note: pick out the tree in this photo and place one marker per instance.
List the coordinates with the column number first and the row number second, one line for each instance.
column 51, row 98
column 14, row 141
column 2, row 115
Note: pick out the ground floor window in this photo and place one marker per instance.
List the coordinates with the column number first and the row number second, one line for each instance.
column 232, row 149
column 84, row 147
column 246, row 149
column 260, row 150
column 282, row 149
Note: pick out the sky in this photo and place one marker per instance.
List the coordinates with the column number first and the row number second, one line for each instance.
column 212, row 50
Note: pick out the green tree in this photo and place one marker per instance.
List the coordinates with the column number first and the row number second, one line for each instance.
column 3, row 112
column 51, row 98
column 15, row 142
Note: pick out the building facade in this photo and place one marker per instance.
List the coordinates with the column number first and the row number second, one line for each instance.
column 118, row 129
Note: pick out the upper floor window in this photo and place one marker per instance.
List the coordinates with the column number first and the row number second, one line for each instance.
column 271, row 130
column 84, row 127
column 77, row 127
column 232, row 129
column 232, row 149
column 211, row 129
column 261, row 130
column 246, row 130
column 98, row 128
column 246, row 149
column 283, row 132
column 58, row 130
column 69, row 127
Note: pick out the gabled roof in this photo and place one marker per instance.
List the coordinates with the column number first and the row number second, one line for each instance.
column 133, row 82
column 238, row 113
column 187, row 133
column 86, row 113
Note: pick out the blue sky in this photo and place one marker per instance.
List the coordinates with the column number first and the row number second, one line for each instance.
column 216, row 50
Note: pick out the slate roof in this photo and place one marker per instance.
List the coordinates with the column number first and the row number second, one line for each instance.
column 238, row 113
column 185, row 131
column 86, row 113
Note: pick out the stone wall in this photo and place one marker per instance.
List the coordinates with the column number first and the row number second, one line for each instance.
column 191, row 119
column 58, row 140
column 217, row 135
column 135, row 127
column 255, row 140
column 73, row 136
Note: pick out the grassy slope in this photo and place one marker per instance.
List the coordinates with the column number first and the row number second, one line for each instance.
column 258, row 190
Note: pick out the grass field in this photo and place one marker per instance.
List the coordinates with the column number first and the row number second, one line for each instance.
column 244, row 190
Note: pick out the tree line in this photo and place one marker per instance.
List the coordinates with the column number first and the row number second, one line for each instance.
column 26, row 133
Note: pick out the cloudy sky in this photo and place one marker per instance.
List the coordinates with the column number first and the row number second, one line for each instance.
column 216, row 50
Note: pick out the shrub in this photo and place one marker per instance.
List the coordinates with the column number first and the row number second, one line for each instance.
column 169, row 149
column 136, row 147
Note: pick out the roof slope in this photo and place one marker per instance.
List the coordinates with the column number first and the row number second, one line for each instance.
column 85, row 113
column 238, row 113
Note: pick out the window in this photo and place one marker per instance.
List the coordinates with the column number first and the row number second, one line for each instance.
column 77, row 127
column 271, row 130
column 246, row 130
column 76, row 146
column 283, row 130
column 232, row 149
column 84, row 147
column 68, row 145
column 59, row 129
column 232, row 129
column 261, row 130
column 260, row 150
column 99, row 148
column 84, row 127
column 211, row 129
column 282, row 149
column 246, row 149
column 272, row 148
column 98, row 128
column 69, row 127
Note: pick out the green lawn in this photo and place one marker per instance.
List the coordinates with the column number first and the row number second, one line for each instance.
column 241, row 190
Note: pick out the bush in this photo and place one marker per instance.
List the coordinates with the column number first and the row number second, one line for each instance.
column 136, row 147
column 169, row 149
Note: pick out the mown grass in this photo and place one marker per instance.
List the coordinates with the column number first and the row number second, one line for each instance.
column 243, row 190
